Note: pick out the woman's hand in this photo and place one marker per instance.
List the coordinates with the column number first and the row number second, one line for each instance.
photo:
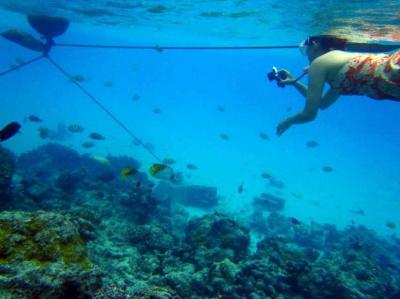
column 283, row 126
column 289, row 77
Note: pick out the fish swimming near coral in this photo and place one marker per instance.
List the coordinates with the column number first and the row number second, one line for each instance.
column 75, row 128
column 127, row 171
column 240, row 188
column 9, row 131
column 43, row 132
column 101, row 160
column 96, row 136
column 191, row 166
column 391, row 224
column 161, row 171
column 88, row 144
column 294, row 221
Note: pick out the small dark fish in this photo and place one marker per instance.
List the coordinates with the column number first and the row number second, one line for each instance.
column 34, row 118
column 224, row 136
column 240, row 188
column 358, row 212
column 221, row 108
column 43, row 132
column 9, row 131
column 312, row 144
column 157, row 110
column 191, row 166
column 263, row 135
column 78, row 78
column 391, row 224
column 96, row 136
column 135, row 97
column 294, row 221
column 75, row 128
column 108, row 84
column 169, row 161
column 288, row 109
column 88, row 144
column 266, row 176
column 327, row 168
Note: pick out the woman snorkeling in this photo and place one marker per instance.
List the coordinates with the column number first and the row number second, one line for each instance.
column 348, row 73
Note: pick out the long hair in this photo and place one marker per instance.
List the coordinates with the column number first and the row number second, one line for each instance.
column 328, row 42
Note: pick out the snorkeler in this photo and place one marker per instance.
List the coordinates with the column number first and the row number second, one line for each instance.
column 348, row 73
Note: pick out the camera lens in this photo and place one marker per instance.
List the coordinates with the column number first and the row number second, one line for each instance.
column 271, row 76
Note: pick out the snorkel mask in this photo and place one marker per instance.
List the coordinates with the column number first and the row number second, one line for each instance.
column 303, row 46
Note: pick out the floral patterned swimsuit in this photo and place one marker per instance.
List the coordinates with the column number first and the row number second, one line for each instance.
column 373, row 75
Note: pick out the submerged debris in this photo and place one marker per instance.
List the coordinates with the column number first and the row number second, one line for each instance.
column 269, row 202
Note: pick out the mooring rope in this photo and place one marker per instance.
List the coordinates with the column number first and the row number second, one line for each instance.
column 102, row 107
column 161, row 48
column 14, row 68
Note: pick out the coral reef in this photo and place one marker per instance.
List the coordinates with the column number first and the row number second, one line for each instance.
column 7, row 168
column 215, row 237
column 42, row 255
column 102, row 237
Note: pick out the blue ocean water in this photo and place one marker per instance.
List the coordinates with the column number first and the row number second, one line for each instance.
column 358, row 137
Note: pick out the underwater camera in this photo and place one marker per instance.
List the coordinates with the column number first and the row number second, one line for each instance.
column 277, row 76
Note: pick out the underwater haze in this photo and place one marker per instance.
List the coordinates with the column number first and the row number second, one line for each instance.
column 211, row 115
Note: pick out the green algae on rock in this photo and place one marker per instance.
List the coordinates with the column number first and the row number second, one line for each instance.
column 42, row 254
column 7, row 167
